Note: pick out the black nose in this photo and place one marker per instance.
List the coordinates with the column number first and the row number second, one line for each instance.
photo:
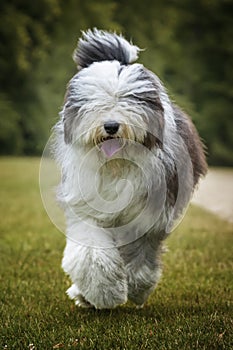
column 111, row 127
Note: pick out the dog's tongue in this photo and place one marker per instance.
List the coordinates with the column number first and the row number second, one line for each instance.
column 110, row 147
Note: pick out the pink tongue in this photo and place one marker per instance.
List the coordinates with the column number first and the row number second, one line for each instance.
column 110, row 147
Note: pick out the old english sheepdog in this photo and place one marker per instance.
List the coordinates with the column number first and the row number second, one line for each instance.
column 130, row 160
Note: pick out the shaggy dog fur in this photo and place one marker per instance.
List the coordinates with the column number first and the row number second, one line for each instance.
column 130, row 160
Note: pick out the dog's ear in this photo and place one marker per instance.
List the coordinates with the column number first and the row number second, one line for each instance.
column 155, row 113
column 195, row 147
column 149, row 98
column 69, row 116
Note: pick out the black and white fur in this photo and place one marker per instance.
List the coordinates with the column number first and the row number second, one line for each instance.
column 120, row 208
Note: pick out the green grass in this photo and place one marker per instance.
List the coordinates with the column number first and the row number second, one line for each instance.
column 190, row 309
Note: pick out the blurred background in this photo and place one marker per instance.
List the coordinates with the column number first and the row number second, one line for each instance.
column 188, row 44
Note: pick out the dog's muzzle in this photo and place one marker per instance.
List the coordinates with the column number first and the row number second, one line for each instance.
column 111, row 144
column 111, row 127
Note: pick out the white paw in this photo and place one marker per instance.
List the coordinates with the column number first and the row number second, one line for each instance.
column 74, row 293
column 81, row 302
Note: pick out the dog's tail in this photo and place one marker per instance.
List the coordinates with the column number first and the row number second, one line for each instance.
column 98, row 45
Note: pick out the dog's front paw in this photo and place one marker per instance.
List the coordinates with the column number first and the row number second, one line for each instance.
column 98, row 275
column 105, row 285
column 74, row 293
column 80, row 301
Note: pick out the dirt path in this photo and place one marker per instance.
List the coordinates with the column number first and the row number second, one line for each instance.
column 215, row 193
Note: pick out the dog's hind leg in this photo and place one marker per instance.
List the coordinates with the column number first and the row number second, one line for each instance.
column 142, row 260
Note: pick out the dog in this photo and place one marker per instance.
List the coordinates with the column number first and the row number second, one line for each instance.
column 130, row 160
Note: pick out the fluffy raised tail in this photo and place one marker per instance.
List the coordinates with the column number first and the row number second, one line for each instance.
column 98, row 45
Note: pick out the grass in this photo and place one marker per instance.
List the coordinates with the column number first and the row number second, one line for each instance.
column 190, row 309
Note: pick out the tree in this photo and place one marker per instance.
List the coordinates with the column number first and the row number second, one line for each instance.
column 188, row 45
column 10, row 133
column 36, row 42
column 190, row 48
column 24, row 41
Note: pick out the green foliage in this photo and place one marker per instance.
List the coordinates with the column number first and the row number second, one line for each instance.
column 190, row 47
column 10, row 136
column 25, row 34
column 190, row 309
column 25, row 39
column 55, row 70
column 188, row 44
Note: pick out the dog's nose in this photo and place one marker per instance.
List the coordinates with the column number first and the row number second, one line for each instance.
column 111, row 127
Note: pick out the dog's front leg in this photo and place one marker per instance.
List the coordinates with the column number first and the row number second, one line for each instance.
column 98, row 275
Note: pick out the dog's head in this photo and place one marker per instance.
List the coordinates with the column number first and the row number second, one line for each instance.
column 110, row 101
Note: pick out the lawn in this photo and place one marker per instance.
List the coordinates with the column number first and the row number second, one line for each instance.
column 190, row 309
